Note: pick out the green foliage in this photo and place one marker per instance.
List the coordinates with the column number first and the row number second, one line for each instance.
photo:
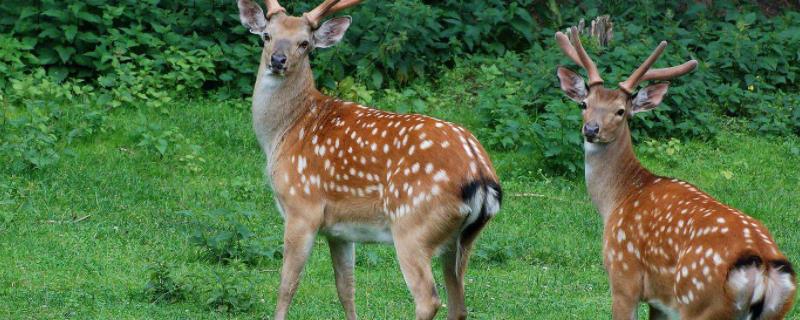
column 368, row 257
column 206, row 46
column 668, row 152
column 392, row 43
column 231, row 294
column 503, row 108
column 242, row 189
column 226, row 238
column 40, row 117
column 494, row 252
column 350, row 90
column 407, row 100
column 493, row 60
column 31, row 142
column 520, row 108
column 163, row 286
column 8, row 205
column 87, row 39
column 15, row 58
column 169, row 143
column 200, row 44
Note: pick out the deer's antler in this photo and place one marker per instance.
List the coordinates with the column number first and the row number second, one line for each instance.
column 574, row 50
column 643, row 72
column 327, row 7
column 273, row 7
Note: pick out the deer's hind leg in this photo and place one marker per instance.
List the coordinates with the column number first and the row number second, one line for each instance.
column 454, row 282
column 416, row 242
column 344, row 260
column 415, row 263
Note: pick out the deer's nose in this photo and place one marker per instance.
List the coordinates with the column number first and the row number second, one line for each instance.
column 278, row 60
column 590, row 130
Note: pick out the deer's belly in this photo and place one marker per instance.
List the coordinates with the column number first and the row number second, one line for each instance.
column 670, row 312
column 358, row 232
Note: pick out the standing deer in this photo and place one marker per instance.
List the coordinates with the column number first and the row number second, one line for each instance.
column 665, row 242
column 356, row 174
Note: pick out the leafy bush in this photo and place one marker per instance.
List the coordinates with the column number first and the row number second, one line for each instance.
column 40, row 117
column 8, row 207
column 494, row 253
column 227, row 239
column 163, row 286
column 169, row 142
column 89, row 38
column 231, row 294
column 243, row 189
column 15, row 58
column 206, row 46
column 668, row 151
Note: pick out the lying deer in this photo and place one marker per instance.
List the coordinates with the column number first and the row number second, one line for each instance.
column 356, row 174
column 666, row 242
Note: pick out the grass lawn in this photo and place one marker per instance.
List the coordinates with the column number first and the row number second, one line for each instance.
column 539, row 259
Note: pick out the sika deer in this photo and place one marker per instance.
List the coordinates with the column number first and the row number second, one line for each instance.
column 666, row 242
column 356, row 174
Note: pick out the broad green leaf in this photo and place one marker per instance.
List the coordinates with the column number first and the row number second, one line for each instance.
column 70, row 32
column 64, row 52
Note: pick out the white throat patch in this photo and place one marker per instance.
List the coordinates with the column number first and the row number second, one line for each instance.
column 270, row 82
column 591, row 148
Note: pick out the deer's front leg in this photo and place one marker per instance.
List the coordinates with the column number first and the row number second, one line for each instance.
column 625, row 297
column 344, row 260
column 300, row 230
column 623, row 308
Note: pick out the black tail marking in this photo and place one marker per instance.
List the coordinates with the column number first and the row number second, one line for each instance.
column 491, row 184
column 756, row 309
column 782, row 266
column 468, row 192
column 746, row 260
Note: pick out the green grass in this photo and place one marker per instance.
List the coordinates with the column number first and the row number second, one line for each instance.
column 539, row 259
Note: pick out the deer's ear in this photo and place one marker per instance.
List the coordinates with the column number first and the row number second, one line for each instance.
column 572, row 84
column 649, row 97
column 252, row 16
column 331, row 32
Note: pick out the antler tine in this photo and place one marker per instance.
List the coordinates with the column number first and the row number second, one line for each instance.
column 586, row 62
column 671, row 72
column 637, row 76
column 326, row 8
column 344, row 4
column 583, row 59
column 273, row 7
column 567, row 48
column 316, row 14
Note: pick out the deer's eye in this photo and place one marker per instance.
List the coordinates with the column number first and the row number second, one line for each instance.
column 583, row 105
column 266, row 37
column 303, row 45
column 621, row 112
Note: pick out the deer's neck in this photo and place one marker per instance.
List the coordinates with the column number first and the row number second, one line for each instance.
column 612, row 173
column 278, row 102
